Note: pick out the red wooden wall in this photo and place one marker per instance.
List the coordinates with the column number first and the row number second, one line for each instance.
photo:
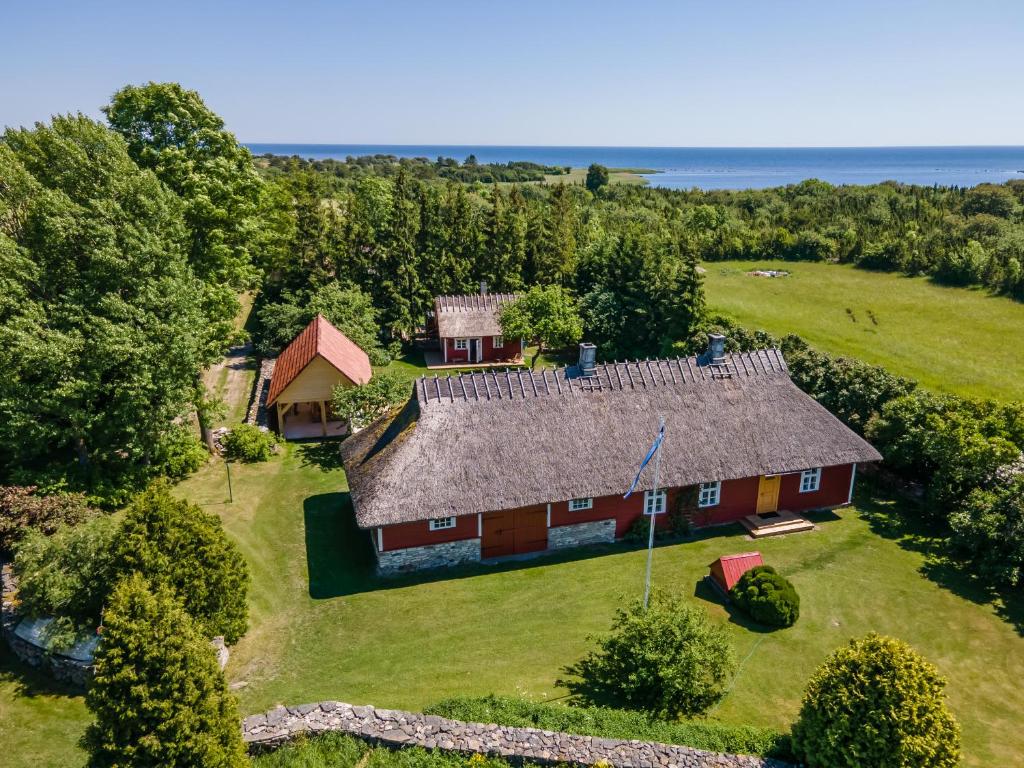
column 737, row 500
column 491, row 353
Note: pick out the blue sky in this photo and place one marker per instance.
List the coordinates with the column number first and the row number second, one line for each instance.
column 673, row 73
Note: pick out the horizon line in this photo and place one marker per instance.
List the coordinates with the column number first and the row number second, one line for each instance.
column 633, row 146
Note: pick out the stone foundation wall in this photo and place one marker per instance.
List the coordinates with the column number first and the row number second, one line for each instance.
column 405, row 729
column 257, row 413
column 390, row 563
column 580, row 534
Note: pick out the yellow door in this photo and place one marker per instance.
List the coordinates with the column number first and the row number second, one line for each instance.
column 768, row 493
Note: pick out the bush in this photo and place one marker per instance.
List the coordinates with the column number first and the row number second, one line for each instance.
column 670, row 660
column 362, row 404
column 158, row 696
column 182, row 453
column 21, row 510
column 67, row 576
column 178, row 545
column 615, row 724
column 988, row 530
column 247, row 442
column 766, row 597
column 876, row 702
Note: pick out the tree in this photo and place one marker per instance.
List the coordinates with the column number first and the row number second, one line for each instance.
column 347, row 308
column 22, row 510
column 178, row 545
column 546, row 316
column 67, row 576
column 876, row 703
column 362, row 404
column 103, row 331
column 170, row 131
column 158, row 696
column 988, row 529
column 668, row 659
column 597, row 177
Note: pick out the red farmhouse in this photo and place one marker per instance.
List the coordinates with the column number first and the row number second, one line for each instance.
column 468, row 329
column 490, row 464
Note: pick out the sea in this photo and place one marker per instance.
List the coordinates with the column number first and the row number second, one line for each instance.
column 726, row 168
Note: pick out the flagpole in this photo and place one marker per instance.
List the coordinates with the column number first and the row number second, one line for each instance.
column 654, row 514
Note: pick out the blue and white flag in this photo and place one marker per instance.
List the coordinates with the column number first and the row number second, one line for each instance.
column 647, row 460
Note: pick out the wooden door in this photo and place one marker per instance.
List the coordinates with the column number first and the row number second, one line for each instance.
column 768, row 493
column 531, row 529
column 499, row 534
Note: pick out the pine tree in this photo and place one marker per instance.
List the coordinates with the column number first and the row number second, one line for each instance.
column 158, row 695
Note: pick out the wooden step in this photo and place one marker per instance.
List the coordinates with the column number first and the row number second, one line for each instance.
column 761, row 532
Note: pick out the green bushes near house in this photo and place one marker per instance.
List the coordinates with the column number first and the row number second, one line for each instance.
column 766, row 597
column 876, row 703
column 668, row 659
column 247, row 442
column 616, row 724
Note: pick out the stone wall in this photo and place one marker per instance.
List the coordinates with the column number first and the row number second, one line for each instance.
column 392, row 562
column 257, row 413
column 67, row 670
column 405, row 729
column 579, row 534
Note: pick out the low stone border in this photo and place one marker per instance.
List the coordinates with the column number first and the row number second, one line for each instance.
column 394, row 728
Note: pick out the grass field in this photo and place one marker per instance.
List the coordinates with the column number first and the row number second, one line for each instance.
column 615, row 176
column 950, row 339
column 324, row 628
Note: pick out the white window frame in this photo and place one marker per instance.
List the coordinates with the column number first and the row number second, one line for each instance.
column 497, row 341
column 442, row 523
column 655, row 507
column 578, row 505
column 810, row 480
column 710, row 494
column 462, row 344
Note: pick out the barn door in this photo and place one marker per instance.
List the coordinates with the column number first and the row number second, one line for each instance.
column 768, row 493
column 498, row 537
column 532, row 529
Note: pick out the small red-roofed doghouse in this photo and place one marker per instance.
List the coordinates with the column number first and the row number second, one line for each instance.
column 726, row 570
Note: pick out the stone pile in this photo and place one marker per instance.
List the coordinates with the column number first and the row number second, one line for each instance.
column 394, row 728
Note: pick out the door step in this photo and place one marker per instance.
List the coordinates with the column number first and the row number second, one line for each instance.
column 775, row 525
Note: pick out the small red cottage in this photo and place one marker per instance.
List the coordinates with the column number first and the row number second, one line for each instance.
column 726, row 570
column 495, row 463
column 468, row 330
column 305, row 375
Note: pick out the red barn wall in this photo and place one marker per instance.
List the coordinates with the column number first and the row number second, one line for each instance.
column 833, row 491
column 491, row 353
column 418, row 533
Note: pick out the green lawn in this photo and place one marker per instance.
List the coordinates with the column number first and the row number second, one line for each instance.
column 324, row 628
column 950, row 339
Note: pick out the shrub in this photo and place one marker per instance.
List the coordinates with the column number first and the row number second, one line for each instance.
column 67, row 576
column 362, row 404
column 615, row 724
column 247, row 442
column 182, row 453
column 178, row 545
column 766, row 597
column 876, row 702
column 22, row 509
column 158, row 696
column 670, row 660
column 988, row 530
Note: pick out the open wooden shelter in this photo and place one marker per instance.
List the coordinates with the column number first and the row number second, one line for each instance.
column 305, row 375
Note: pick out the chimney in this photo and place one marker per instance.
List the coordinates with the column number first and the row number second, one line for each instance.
column 716, row 349
column 483, row 287
column 588, row 359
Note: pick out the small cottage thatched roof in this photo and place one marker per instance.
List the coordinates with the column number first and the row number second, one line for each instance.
column 486, row 441
column 470, row 315
column 319, row 339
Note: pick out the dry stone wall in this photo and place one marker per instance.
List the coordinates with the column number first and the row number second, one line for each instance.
column 395, row 728
column 393, row 562
column 581, row 534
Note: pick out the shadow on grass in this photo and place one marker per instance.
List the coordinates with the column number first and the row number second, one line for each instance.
column 898, row 518
column 324, row 453
column 29, row 682
column 705, row 591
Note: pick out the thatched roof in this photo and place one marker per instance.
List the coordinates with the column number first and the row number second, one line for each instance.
column 319, row 339
column 485, row 441
column 470, row 315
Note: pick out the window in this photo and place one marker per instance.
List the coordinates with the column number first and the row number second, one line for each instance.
column 576, row 505
column 810, row 480
column 462, row 343
column 710, row 494
column 498, row 341
column 440, row 523
column 654, row 504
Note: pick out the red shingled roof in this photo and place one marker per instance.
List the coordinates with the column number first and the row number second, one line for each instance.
column 322, row 339
column 728, row 569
